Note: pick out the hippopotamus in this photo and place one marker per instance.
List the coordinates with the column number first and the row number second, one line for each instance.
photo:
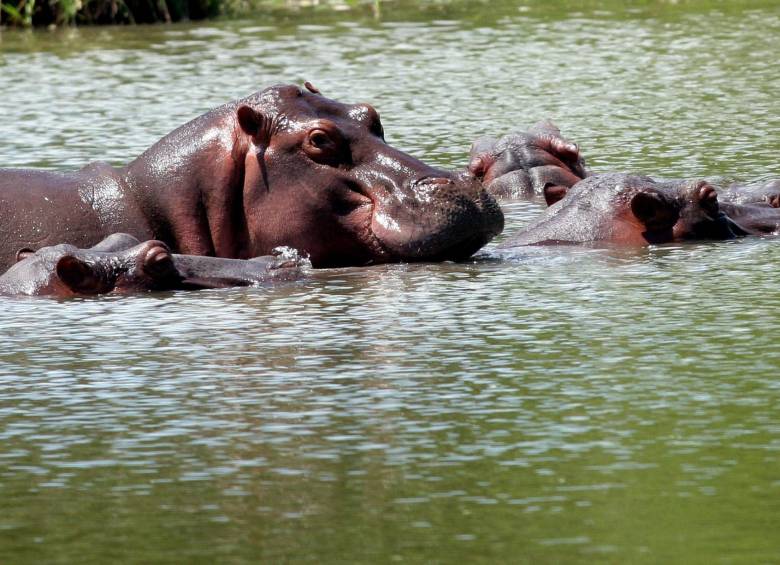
column 122, row 264
column 526, row 164
column 756, row 193
column 285, row 166
column 630, row 209
column 541, row 162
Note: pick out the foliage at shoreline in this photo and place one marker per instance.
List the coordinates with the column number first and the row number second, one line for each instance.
column 28, row 13
column 54, row 13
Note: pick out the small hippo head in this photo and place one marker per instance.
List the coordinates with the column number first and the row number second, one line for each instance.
column 320, row 177
column 630, row 209
column 680, row 210
column 527, row 162
column 64, row 270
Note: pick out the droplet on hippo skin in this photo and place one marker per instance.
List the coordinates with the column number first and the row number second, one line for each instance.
column 287, row 257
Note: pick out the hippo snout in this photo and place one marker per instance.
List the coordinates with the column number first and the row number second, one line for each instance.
column 442, row 216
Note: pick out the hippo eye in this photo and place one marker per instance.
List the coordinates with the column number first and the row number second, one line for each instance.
column 319, row 139
column 324, row 147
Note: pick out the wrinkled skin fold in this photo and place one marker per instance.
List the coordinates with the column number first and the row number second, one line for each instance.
column 283, row 167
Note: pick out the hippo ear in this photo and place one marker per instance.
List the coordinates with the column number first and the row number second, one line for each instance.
column 480, row 164
column 252, row 122
column 76, row 275
column 654, row 211
column 553, row 193
column 311, row 88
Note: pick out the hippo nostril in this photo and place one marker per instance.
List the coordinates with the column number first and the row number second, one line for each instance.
column 707, row 193
column 430, row 180
column 431, row 185
column 24, row 253
column 477, row 167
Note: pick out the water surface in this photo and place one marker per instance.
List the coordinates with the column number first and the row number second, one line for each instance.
column 549, row 405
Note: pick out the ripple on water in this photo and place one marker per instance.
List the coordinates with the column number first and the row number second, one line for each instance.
column 551, row 403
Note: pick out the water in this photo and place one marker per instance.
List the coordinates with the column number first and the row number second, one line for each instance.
column 553, row 405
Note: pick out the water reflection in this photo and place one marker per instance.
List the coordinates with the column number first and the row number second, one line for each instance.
column 554, row 404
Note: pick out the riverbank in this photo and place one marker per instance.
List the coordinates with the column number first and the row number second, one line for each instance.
column 36, row 13
column 58, row 13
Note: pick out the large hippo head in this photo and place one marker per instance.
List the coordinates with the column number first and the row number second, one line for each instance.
column 319, row 176
column 632, row 210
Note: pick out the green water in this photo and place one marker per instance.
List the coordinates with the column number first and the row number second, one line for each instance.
column 546, row 405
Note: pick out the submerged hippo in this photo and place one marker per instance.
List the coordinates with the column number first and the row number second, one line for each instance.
column 283, row 167
column 521, row 165
column 757, row 193
column 122, row 264
column 631, row 210
column 514, row 167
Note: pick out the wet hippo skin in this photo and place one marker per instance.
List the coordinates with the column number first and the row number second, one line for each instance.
column 526, row 164
column 763, row 193
column 121, row 264
column 541, row 162
column 630, row 209
column 283, row 167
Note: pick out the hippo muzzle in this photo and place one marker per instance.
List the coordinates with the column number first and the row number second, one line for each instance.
column 438, row 216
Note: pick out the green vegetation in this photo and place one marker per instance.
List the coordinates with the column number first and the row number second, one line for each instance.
column 66, row 12
column 28, row 13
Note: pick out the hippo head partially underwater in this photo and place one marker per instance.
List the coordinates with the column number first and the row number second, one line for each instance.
column 120, row 264
column 282, row 167
column 630, row 210
column 524, row 164
column 64, row 270
column 297, row 169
